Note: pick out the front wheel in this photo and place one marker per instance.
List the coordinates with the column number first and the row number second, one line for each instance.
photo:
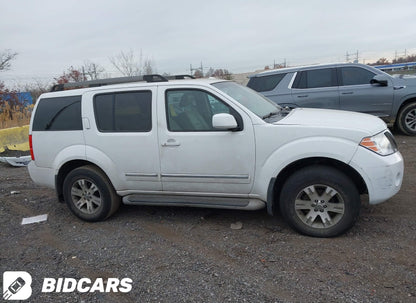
column 406, row 119
column 89, row 194
column 320, row 201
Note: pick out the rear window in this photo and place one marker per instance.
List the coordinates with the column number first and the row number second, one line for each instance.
column 316, row 78
column 124, row 112
column 265, row 83
column 58, row 114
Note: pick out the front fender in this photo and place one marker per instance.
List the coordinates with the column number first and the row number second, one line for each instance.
column 402, row 99
column 312, row 147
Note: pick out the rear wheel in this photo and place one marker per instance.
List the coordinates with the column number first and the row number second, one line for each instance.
column 406, row 119
column 320, row 201
column 89, row 194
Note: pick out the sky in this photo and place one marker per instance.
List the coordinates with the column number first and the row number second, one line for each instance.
column 238, row 35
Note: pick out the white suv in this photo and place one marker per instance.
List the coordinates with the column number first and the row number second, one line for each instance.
column 209, row 143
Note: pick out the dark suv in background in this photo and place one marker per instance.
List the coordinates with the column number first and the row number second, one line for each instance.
column 345, row 86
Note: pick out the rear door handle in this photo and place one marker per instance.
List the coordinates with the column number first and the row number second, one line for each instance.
column 171, row 142
column 302, row 96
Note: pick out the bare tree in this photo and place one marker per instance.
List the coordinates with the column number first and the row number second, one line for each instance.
column 127, row 63
column 223, row 74
column 209, row 73
column 198, row 74
column 71, row 75
column 91, row 70
column 5, row 59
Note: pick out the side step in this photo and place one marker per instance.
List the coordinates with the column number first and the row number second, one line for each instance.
column 194, row 201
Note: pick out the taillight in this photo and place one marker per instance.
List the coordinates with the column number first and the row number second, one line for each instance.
column 31, row 148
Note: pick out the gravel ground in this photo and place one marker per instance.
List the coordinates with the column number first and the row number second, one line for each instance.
column 193, row 255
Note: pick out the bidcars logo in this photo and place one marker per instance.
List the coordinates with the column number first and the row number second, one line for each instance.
column 87, row 285
column 17, row 285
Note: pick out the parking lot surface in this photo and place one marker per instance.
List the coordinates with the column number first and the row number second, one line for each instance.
column 193, row 254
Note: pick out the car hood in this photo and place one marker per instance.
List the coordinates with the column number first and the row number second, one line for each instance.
column 405, row 81
column 334, row 119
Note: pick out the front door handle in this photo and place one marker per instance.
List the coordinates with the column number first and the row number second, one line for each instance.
column 302, row 96
column 347, row 93
column 171, row 142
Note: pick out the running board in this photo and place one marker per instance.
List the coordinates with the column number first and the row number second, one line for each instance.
column 194, row 201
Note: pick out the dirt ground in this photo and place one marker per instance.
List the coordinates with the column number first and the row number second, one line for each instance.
column 193, row 255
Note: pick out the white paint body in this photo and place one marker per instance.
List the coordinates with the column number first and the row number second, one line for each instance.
column 219, row 164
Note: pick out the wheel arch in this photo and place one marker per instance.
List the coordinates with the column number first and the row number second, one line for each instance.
column 397, row 123
column 65, row 169
column 406, row 102
column 276, row 183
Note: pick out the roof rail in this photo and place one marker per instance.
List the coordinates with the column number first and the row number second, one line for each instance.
column 179, row 77
column 109, row 81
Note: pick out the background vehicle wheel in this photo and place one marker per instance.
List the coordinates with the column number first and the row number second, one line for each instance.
column 89, row 194
column 320, row 201
column 406, row 119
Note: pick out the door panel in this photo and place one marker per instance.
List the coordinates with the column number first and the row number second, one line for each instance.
column 357, row 94
column 316, row 88
column 194, row 156
column 123, row 137
column 316, row 97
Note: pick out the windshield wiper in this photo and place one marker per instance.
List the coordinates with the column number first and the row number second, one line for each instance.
column 271, row 114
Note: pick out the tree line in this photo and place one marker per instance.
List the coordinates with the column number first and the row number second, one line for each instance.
column 127, row 63
column 404, row 59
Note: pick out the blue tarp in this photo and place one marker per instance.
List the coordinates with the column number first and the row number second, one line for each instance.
column 25, row 98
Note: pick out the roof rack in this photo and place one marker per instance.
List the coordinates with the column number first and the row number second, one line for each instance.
column 119, row 80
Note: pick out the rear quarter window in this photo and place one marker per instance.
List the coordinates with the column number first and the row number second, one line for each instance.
column 265, row 83
column 58, row 114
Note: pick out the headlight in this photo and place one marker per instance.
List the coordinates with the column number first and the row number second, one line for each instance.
column 382, row 144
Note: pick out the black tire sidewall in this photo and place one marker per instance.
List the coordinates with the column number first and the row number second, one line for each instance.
column 95, row 177
column 325, row 176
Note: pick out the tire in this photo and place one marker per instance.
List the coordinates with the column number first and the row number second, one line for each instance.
column 406, row 119
column 89, row 194
column 320, row 201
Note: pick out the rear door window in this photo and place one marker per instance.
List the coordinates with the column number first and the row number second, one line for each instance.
column 124, row 111
column 316, row 78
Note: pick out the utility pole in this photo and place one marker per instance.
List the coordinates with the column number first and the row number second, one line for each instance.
column 201, row 68
column 398, row 55
column 347, row 57
column 279, row 65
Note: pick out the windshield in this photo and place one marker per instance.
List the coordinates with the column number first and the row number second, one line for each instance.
column 255, row 102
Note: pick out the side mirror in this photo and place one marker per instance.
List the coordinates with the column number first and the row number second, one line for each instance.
column 224, row 121
column 380, row 80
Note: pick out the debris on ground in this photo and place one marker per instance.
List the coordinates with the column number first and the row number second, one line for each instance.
column 35, row 219
column 237, row 225
column 16, row 161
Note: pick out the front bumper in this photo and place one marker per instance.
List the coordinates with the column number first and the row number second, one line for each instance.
column 383, row 175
